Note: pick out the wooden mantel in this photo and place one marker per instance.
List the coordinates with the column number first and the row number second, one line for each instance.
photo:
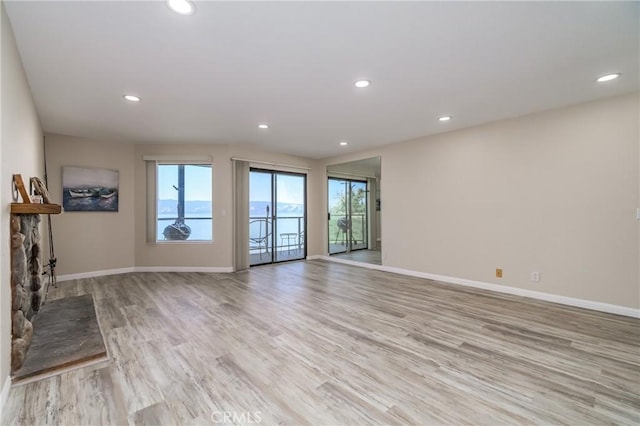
column 32, row 208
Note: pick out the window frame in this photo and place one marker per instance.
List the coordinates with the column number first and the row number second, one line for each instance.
column 153, row 162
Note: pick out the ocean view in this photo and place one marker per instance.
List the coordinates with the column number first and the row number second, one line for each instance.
column 289, row 218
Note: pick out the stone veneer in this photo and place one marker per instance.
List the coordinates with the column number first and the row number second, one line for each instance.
column 26, row 283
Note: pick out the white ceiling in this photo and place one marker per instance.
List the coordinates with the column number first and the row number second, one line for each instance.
column 213, row 76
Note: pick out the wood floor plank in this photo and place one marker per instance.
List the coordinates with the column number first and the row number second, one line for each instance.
column 156, row 414
column 317, row 342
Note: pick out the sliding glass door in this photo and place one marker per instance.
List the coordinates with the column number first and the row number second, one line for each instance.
column 277, row 216
column 347, row 215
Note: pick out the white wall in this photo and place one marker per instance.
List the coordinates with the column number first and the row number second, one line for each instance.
column 219, row 253
column 92, row 241
column 21, row 152
column 554, row 192
column 88, row 242
column 216, row 254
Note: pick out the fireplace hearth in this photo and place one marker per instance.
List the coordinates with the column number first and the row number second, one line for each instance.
column 27, row 290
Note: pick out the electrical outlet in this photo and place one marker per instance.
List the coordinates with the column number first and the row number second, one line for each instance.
column 535, row 277
column 498, row 272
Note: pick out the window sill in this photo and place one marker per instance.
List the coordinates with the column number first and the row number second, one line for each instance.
column 197, row 242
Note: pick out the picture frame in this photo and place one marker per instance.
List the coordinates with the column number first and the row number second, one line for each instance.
column 90, row 189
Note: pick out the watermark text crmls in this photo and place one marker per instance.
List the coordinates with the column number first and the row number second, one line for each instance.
column 237, row 417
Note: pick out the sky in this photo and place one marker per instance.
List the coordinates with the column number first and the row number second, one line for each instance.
column 197, row 182
column 290, row 189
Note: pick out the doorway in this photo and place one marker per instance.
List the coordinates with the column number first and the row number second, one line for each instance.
column 277, row 216
column 348, row 215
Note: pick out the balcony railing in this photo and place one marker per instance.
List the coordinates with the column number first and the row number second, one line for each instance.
column 289, row 232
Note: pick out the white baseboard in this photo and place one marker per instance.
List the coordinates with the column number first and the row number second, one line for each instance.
column 317, row 256
column 218, row 269
column 215, row 269
column 93, row 274
column 564, row 300
column 4, row 395
column 348, row 262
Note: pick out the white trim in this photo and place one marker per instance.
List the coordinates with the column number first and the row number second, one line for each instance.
column 317, row 256
column 93, row 274
column 215, row 269
column 5, row 394
column 170, row 242
column 340, row 175
column 563, row 300
column 268, row 163
column 178, row 158
column 352, row 263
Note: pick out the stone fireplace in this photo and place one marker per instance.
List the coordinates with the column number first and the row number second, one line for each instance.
column 26, row 283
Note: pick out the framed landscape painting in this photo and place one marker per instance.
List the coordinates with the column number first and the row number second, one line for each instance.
column 89, row 189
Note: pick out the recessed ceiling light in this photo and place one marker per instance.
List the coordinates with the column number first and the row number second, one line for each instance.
column 182, row 7
column 343, row 143
column 132, row 98
column 608, row 77
column 362, row 84
column 445, row 118
column 263, row 126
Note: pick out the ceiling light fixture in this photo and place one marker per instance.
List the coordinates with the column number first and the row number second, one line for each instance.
column 181, row 7
column 263, row 126
column 361, row 84
column 444, row 118
column 344, row 143
column 608, row 77
column 132, row 98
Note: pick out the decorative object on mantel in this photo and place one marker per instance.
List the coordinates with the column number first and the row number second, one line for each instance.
column 39, row 188
column 27, row 206
column 89, row 189
column 19, row 188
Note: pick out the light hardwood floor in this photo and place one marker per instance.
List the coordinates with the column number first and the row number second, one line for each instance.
column 328, row 344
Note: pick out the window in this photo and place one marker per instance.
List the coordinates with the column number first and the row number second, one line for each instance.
column 184, row 204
